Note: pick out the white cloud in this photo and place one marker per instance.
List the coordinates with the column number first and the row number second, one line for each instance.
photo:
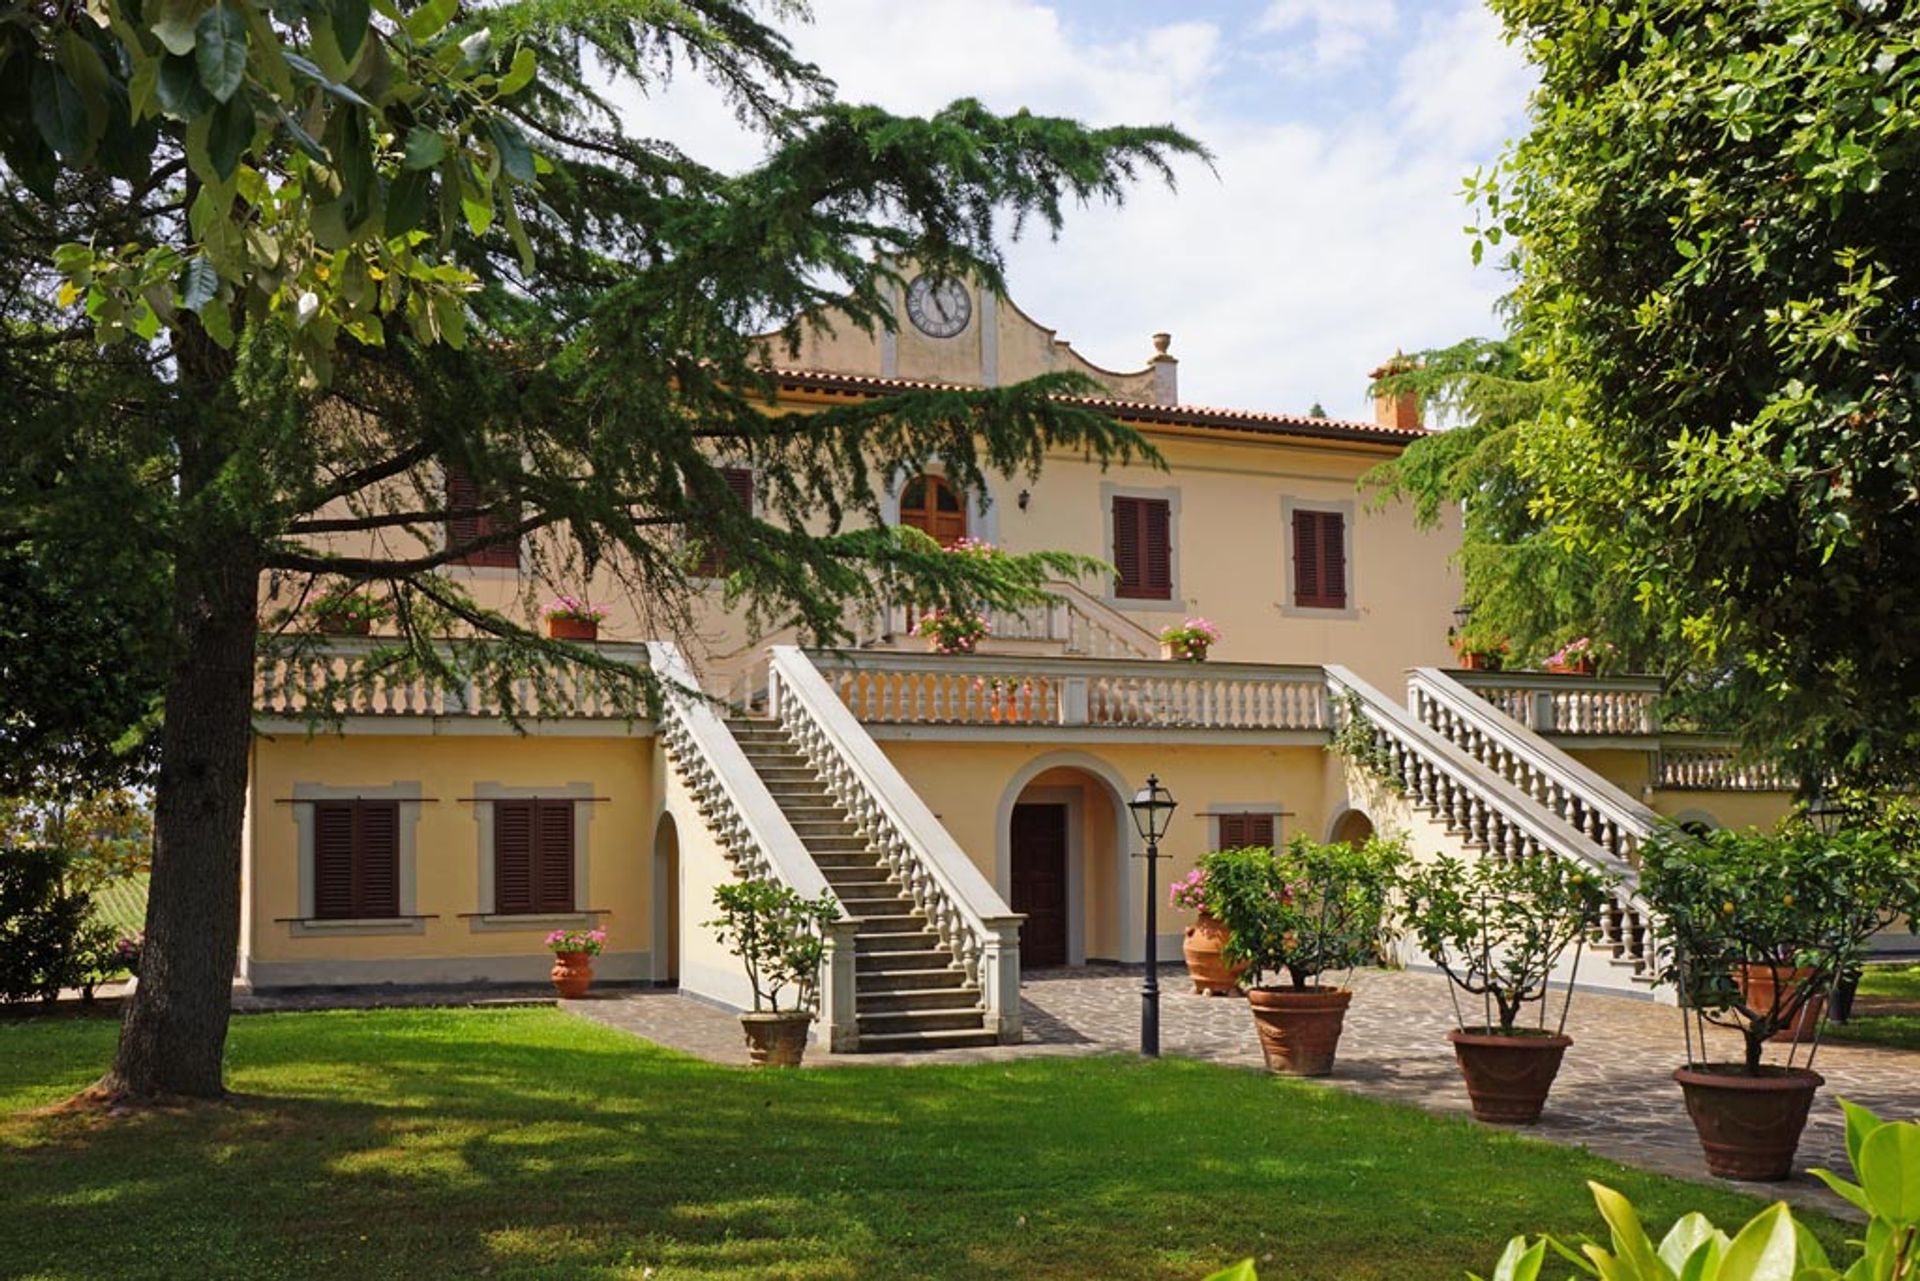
column 1330, row 237
column 1340, row 30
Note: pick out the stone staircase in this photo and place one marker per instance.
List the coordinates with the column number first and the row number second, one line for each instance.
column 910, row 993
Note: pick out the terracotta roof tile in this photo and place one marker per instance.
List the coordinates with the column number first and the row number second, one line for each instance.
column 1135, row 411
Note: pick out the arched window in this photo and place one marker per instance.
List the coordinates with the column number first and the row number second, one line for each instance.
column 930, row 505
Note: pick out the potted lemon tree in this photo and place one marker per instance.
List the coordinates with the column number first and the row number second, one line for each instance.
column 1499, row 929
column 1798, row 902
column 1294, row 915
column 776, row 933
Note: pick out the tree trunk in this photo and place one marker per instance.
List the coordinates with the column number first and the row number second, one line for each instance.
column 175, row 1030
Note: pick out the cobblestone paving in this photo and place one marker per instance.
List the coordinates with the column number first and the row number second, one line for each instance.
column 1615, row 1093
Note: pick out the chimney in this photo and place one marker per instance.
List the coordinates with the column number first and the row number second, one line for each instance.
column 1166, row 372
column 1398, row 410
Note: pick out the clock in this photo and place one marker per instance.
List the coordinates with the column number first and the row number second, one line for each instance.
column 939, row 308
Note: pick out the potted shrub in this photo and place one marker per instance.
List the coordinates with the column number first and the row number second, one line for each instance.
column 569, row 618
column 1480, row 656
column 1189, row 642
column 1578, row 657
column 1498, row 929
column 573, row 953
column 777, row 934
column 1206, row 940
column 345, row 611
column 951, row 631
column 1797, row 902
column 1293, row 915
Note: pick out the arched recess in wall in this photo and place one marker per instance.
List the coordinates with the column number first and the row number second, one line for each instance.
column 1351, row 826
column 900, row 499
column 1113, row 866
column 1698, row 822
column 666, row 901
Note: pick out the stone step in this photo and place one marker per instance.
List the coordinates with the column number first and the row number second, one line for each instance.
column 924, row 958
column 852, row 859
column 804, row 809
column 842, row 845
column 874, row 898
column 951, row 997
column 915, row 1042
column 893, row 1021
column 901, row 923
column 902, row 941
column 889, row 982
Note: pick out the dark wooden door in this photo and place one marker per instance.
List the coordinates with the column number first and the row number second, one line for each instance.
column 1040, row 882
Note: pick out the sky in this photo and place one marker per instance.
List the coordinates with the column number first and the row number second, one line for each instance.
column 1331, row 234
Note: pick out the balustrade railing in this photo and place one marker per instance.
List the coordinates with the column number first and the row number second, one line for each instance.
column 1080, row 624
column 1573, row 793
column 1717, row 768
column 749, row 824
column 354, row 676
column 980, row 689
column 960, row 905
column 1546, row 703
column 1487, row 810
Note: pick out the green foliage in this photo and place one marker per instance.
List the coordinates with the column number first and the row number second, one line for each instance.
column 1498, row 927
column 777, row 934
column 1791, row 899
column 1772, row 1246
column 44, row 935
column 1304, row 909
column 1709, row 222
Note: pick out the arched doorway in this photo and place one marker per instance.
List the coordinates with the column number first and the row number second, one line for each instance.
column 1352, row 827
column 933, row 506
column 1062, row 862
column 666, row 901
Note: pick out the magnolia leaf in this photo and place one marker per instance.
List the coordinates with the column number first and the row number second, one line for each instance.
column 230, row 134
column 60, row 114
column 1241, row 1271
column 425, row 148
column 407, row 201
column 81, row 61
column 1630, row 1240
column 215, row 319
column 516, row 156
column 1764, row 1250
column 1685, row 1238
column 1889, row 1172
column 431, row 18
column 350, row 18
column 312, row 72
column 301, row 138
column 1840, row 1187
column 199, row 283
column 478, row 210
column 179, row 90
column 1519, row 1262
column 518, row 233
column 220, row 51
column 141, row 85
column 1860, row 1123
column 145, row 321
column 175, row 24
column 520, row 74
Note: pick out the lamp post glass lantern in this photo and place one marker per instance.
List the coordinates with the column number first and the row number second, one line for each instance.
column 1152, row 807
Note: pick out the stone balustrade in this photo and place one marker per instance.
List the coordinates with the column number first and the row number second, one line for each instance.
column 370, row 676
column 1717, row 768
column 1585, row 706
column 985, row 690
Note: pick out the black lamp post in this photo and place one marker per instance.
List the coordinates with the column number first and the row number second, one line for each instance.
column 1826, row 816
column 1152, row 807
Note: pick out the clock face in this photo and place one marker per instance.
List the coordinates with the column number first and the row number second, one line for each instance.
column 938, row 308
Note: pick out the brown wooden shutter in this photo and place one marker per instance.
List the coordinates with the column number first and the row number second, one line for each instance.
column 333, row 859
column 462, row 492
column 1259, row 829
column 553, row 861
column 1233, row 831
column 513, row 838
column 378, row 860
column 1319, row 560
column 713, row 561
column 356, row 860
column 1143, row 548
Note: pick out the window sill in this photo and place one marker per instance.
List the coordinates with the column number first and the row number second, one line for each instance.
column 525, row 922
column 335, row 927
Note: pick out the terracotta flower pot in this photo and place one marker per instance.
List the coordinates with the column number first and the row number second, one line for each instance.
column 776, row 1040
column 573, row 629
column 1757, row 987
column 1299, row 1027
column 1508, row 1076
column 1183, row 653
column 1209, row 970
column 572, row 974
column 1749, row 1126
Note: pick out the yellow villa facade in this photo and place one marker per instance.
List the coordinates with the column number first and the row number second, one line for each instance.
column 966, row 810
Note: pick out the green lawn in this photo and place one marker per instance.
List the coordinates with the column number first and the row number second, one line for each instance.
column 1901, row 1031
column 522, row 1143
